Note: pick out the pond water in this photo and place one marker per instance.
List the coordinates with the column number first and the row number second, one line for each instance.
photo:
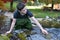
column 36, row 34
column 54, row 34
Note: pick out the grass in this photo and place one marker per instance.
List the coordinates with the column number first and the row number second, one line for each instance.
column 8, row 5
column 41, row 14
column 38, row 13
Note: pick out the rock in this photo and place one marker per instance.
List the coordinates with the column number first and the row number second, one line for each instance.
column 37, row 37
column 28, row 38
column 59, row 36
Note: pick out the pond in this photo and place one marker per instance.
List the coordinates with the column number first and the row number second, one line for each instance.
column 35, row 34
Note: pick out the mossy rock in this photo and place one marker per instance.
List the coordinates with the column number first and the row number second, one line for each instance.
column 2, row 18
column 56, row 25
column 50, row 24
column 4, row 38
column 22, row 36
column 27, row 32
column 45, row 23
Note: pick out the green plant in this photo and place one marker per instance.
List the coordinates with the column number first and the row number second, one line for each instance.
column 22, row 36
column 4, row 38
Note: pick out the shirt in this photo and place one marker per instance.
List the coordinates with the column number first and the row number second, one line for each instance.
column 18, row 15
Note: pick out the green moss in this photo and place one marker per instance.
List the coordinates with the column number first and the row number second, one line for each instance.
column 28, row 32
column 2, row 17
column 4, row 38
column 50, row 24
column 9, row 35
column 56, row 25
column 22, row 36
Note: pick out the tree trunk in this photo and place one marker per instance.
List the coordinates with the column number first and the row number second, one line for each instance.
column 52, row 5
column 11, row 5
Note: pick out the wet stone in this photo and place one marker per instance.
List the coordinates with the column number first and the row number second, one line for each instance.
column 6, row 26
column 36, row 30
column 37, row 37
column 28, row 38
column 54, row 34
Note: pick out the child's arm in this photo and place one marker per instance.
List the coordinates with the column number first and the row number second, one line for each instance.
column 12, row 26
column 39, row 25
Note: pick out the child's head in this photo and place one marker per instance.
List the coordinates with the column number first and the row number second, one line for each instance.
column 21, row 8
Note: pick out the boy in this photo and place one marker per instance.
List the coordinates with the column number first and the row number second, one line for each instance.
column 21, row 19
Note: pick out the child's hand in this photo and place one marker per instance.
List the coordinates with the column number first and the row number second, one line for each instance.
column 44, row 31
column 7, row 32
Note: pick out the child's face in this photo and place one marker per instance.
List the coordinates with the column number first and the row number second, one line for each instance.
column 24, row 10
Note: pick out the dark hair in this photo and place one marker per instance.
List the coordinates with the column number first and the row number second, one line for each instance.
column 20, row 6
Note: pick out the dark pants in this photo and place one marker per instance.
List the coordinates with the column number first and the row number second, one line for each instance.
column 23, row 23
